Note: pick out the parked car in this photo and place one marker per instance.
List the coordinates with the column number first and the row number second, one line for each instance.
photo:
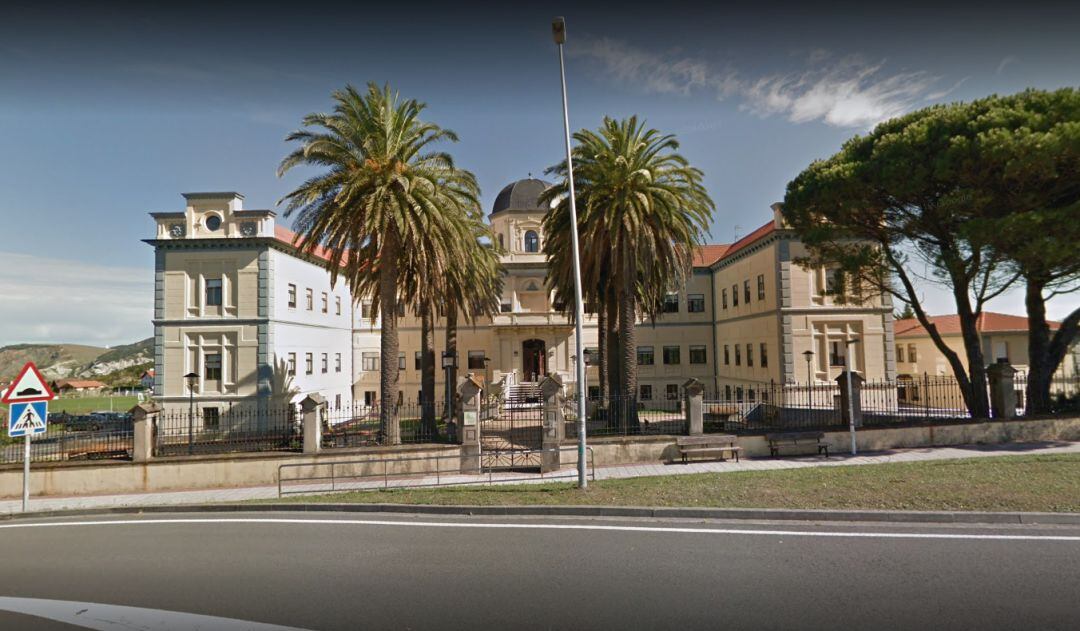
column 98, row 421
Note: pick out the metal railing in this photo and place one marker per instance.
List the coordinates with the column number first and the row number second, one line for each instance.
column 361, row 425
column 213, row 431
column 627, row 416
column 76, row 437
column 333, row 479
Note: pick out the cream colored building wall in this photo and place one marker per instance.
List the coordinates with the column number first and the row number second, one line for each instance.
column 930, row 360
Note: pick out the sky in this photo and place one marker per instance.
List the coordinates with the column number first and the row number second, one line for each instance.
column 111, row 111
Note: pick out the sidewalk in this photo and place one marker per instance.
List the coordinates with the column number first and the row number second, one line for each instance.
column 602, row 473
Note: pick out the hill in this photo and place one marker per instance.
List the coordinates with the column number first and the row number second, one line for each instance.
column 120, row 365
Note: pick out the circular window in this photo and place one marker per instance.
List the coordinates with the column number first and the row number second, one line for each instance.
column 213, row 222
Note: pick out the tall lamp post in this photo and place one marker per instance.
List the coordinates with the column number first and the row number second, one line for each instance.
column 558, row 32
column 809, row 355
column 850, row 401
column 192, row 381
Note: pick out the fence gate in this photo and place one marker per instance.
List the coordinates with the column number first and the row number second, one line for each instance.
column 511, row 432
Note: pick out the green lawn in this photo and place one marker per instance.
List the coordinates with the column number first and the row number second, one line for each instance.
column 1000, row 483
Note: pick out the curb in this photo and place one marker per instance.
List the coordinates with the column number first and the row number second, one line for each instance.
column 758, row 514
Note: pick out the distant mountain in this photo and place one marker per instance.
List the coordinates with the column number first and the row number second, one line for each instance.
column 114, row 366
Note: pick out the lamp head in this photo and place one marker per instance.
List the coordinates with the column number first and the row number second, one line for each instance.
column 558, row 30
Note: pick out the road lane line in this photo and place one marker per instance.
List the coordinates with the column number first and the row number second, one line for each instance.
column 598, row 527
column 104, row 617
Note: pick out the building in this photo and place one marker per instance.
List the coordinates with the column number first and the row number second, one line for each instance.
column 1004, row 338
column 237, row 304
column 78, row 386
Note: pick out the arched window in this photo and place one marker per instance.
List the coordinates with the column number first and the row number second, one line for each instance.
column 532, row 241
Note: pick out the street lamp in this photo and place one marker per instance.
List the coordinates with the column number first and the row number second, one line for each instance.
column 558, row 33
column 850, row 401
column 192, row 381
column 809, row 355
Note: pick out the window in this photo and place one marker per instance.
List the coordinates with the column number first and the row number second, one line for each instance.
column 309, row 363
column 369, row 361
column 750, row 355
column 369, row 398
column 213, row 292
column 401, row 311
column 727, row 393
column 532, row 241
column 834, row 281
column 746, row 291
column 671, row 303
column 1001, row 351
column 211, row 417
column 750, row 395
column 594, row 392
column 212, row 365
column 727, row 355
column 292, row 296
column 761, row 287
column 764, row 356
column 337, row 401
column 671, row 391
column 671, row 355
column 337, row 362
column 505, row 307
column 325, row 364
column 337, row 305
column 476, row 360
column 911, row 357
column 646, row 392
column 697, row 354
column 418, row 360
column 401, row 361
column 695, row 303
column 723, row 298
column 738, row 393
column 836, row 353
column 738, row 355
column 645, row 356
column 310, row 299
column 325, row 303
column 365, row 310
column 900, row 353
column 734, row 295
column 501, row 246
column 213, row 222
column 290, row 365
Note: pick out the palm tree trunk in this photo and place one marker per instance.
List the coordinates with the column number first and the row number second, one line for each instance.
column 602, row 342
column 614, row 358
column 388, row 377
column 627, row 340
column 451, row 348
column 427, row 373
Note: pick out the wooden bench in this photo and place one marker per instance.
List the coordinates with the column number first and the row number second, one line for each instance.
column 796, row 439
column 705, row 445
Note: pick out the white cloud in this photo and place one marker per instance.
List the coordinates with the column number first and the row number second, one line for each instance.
column 57, row 300
column 1005, row 62
column 843, row 92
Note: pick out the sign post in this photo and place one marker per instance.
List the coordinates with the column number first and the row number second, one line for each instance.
column 28, row 414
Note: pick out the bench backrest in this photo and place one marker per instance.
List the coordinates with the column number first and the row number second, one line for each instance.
column 711, row 439
column 780, row 436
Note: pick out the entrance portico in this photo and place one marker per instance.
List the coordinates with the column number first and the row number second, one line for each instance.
column 533, row 360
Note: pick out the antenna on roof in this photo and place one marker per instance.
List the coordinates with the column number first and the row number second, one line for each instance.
column 737, row 229
column 530, row 174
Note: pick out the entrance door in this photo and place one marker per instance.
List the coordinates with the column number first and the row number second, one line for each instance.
column 534, row 359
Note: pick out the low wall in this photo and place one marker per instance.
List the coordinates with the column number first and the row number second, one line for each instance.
column 239, row 470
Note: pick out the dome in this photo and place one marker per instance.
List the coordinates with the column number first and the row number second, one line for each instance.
column 521, row 195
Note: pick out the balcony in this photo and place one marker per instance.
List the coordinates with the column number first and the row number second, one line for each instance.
column 531, row 318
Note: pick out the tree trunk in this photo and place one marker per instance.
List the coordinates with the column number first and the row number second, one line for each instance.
column 451, row 374
column 614, row 358
column 430, row 429
column 388, row 378
column 1045, row 351
column 975, row 395
column 627, row 340
column 602, row 343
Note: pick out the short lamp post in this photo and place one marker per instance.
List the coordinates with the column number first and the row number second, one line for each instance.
column 449, row 365
column 809, row 355
column 192, row 381
column 850, row 401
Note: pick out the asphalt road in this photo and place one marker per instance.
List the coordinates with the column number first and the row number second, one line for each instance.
column 350, row 571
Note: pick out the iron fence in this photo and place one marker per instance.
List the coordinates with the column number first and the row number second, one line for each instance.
column 76, row 437
column 363, row 425
column 627, row 416
column 212, row 431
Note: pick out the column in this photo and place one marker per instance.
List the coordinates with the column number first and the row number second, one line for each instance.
column 693, row 407
column 312, row 409
column 554, row 425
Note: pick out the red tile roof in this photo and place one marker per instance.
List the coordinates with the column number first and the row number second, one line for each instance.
column 79, row 383
column 708, row 255
column 284, row 235
column 989, row 322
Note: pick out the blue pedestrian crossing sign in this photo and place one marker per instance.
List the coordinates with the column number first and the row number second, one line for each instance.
column 28, row 418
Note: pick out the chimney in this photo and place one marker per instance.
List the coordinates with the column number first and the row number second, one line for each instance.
column 778, row 216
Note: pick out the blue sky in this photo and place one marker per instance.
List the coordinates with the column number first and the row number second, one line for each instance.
column 110, row 112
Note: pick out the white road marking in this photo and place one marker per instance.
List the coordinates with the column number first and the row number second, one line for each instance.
column 103, row 617
column 600, row 527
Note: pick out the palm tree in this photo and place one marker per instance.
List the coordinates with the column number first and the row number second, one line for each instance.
column 380, row 189
column 641, row 211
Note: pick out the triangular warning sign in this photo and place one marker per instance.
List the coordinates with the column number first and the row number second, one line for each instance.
column 29, row 422
column 28, row 386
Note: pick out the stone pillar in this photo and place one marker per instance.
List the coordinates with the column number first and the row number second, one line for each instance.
column 693, row 407
column 1002, row 390
column 856, row 395
column 554, row 429
column 470, row 390
column 312, row 408
column 144, row 416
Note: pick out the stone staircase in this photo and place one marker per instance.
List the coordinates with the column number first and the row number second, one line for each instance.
column 523, row 395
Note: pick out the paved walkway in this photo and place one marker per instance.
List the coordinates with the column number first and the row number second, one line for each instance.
column 602, row 473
